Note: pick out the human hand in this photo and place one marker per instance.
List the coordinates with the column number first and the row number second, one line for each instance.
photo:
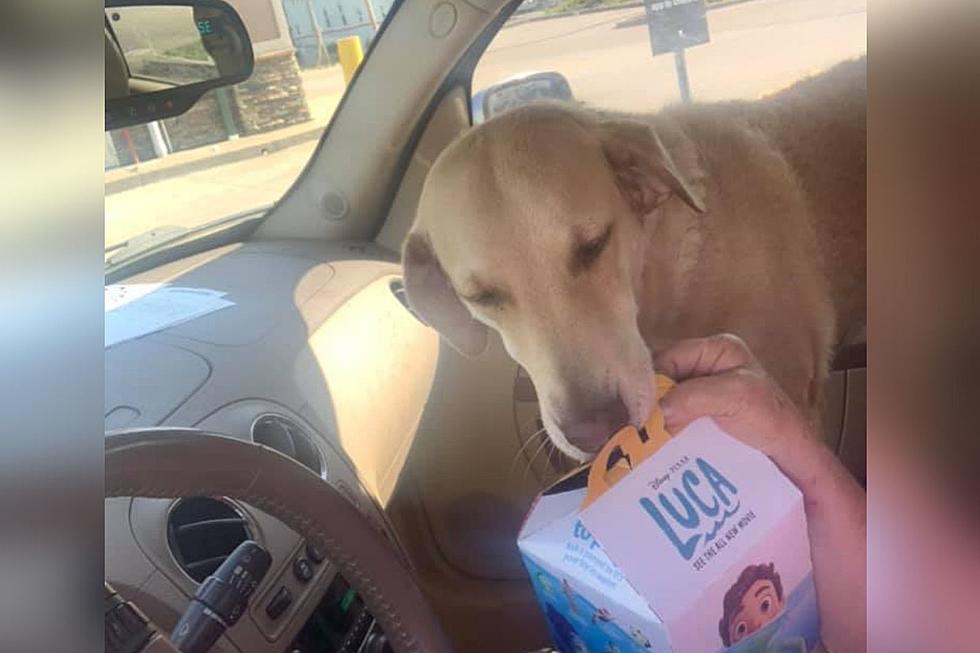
column 719, row 377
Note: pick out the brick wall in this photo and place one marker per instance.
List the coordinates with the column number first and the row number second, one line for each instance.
column 200, row 125
column 273, row 97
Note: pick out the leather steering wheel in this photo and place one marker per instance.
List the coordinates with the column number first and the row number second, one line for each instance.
column 187, row 462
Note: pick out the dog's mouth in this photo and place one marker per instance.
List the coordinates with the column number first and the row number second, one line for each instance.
column 581, row 438
column 590, row 435
column 563, row 444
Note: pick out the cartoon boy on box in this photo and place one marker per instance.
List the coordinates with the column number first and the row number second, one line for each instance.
column 754, row 601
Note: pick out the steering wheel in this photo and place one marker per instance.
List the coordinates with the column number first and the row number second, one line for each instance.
column 187, row 462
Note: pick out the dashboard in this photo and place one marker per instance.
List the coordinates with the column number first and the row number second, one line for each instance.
column 317, row 357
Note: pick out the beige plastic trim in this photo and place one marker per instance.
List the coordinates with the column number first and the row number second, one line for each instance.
column 375, row 427
column 355, row 162
column 450, row 119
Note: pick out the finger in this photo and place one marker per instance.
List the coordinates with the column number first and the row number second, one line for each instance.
column 704, row 356
column 721, row 396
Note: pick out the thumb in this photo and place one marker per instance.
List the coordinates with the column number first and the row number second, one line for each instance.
column 721, row 397
column 704, row 357
column 744, row 404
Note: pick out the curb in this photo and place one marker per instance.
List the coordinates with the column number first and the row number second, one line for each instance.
column 625, row 5
column 138, row 178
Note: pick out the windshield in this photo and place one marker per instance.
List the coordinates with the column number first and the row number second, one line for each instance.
column 238, row 149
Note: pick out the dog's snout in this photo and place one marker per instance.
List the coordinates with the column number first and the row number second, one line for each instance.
column 594, row 427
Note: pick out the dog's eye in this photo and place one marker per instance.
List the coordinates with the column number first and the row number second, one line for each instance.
column 486, row 298
column 588, row 252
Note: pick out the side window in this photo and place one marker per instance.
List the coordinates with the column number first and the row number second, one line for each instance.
column 623, row 58
column 239, row 148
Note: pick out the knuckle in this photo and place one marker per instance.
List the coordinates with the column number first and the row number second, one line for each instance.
column 728, row 337
column 729, row 341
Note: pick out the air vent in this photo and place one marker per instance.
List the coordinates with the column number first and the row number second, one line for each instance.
column 398, row 290
column 202, row 532
column 285, row 436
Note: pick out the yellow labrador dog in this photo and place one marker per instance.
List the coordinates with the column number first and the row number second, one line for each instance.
column 589, row 240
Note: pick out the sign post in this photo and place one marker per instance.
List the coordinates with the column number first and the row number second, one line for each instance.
column 680, row 64
column 675, row 25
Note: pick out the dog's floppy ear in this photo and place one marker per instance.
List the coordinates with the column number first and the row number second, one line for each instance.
column 432, row 297
column 644, row 170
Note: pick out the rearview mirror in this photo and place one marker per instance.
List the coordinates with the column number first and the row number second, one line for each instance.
column 161, row 56
column 519, row 91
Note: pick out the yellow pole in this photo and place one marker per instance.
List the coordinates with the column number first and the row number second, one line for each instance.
column 350, row 53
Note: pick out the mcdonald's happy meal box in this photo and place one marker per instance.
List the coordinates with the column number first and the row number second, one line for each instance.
column 691, row 544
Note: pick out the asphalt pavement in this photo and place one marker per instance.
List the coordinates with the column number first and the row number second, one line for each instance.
column 755, row 48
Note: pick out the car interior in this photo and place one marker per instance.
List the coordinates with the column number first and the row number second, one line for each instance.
column 428, row 460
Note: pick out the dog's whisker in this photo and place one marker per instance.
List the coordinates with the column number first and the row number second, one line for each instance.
column 552, row 460
column 523, row 449
column 532, row 439
column 537, row 452
column 542, row 440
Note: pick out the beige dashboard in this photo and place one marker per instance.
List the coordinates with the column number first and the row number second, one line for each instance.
column 317, row 340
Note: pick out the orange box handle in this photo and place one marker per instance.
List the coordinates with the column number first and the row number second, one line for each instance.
column 628, row 447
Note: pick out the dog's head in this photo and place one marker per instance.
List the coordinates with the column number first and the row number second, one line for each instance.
column 535, row 224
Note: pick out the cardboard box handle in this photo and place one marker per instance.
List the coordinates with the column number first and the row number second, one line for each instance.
column 628, row 447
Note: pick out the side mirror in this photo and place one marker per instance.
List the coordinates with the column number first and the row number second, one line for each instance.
column 161, row 56
column 519, row 91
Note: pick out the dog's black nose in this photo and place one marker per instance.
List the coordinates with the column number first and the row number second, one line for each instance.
column 594, row 427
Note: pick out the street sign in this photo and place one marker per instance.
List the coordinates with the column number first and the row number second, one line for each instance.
column 676, row 24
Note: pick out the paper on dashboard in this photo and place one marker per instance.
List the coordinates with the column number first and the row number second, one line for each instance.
column 136, row 310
